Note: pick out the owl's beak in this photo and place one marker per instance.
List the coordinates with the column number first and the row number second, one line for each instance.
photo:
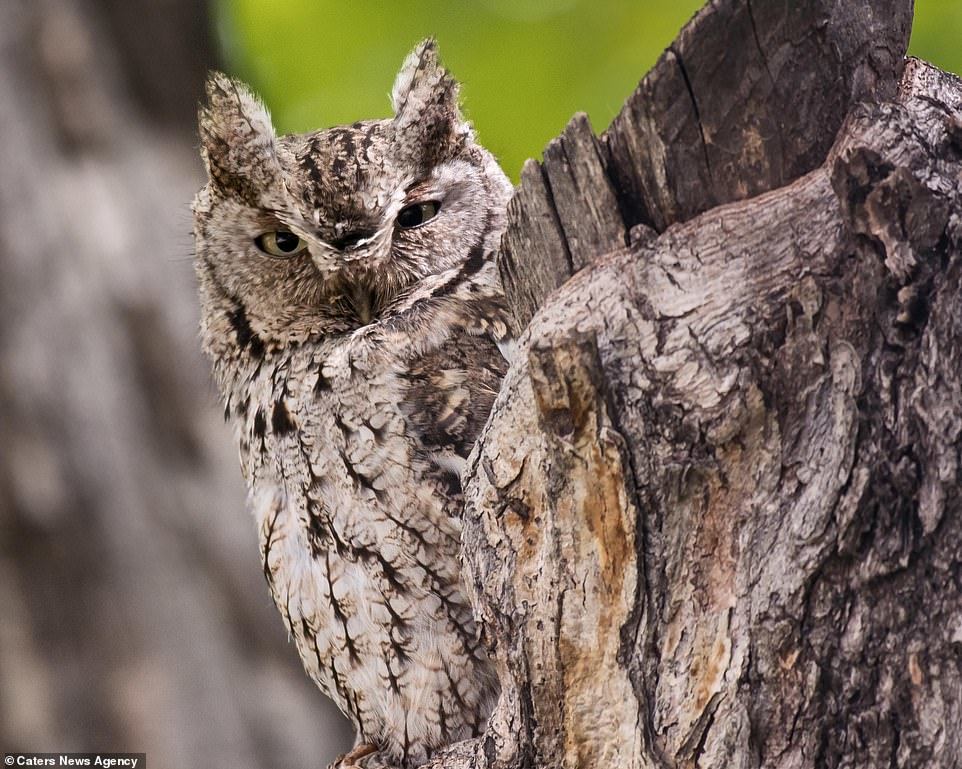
column 353, row 239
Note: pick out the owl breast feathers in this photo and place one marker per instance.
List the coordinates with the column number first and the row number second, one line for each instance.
column 352, row 311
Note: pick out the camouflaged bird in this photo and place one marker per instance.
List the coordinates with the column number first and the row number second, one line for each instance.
column 353, row 314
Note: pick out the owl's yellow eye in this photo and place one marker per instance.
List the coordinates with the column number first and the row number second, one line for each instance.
column 280, row 243
column 417, row 214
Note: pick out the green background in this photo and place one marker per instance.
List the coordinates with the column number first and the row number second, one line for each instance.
column 526, row 65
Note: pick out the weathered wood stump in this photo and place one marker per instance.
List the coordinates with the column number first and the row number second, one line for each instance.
column 715, row 518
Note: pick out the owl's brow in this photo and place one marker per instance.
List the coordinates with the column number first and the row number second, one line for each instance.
column 286, row 217
column 411, row 186
column 282, row 216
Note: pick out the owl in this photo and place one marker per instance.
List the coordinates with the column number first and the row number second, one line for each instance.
column 354, row 318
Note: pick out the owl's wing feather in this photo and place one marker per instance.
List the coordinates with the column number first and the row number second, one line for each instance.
column 451, row 332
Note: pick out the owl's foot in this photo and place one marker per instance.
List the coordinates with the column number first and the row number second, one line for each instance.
column 353, row 759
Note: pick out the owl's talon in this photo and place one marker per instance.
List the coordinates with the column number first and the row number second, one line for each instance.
column 350, row 759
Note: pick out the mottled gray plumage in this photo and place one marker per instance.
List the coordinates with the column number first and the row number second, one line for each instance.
column 352, row 311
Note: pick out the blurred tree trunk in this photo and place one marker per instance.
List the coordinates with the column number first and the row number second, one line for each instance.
column 134, row 614
column 715, row 518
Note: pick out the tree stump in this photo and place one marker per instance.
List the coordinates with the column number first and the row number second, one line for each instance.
column 715, row 517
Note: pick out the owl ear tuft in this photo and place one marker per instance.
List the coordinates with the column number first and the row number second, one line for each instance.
column 237, row 137
column 425, row 98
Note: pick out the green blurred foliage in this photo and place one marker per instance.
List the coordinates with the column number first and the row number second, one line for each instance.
column 937, row 33
column 526, row 65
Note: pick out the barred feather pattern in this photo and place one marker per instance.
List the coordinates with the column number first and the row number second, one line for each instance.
column 357, row 373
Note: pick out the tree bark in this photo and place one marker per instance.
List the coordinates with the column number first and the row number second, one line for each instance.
column 133, row 612
column 715, row 517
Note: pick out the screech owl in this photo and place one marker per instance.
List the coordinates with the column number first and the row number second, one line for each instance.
column 353, row 314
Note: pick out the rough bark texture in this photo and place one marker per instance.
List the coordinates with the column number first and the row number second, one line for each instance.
column 133, row 614
column 715, row 518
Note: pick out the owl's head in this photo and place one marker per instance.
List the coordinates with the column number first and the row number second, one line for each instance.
column 319, row 233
